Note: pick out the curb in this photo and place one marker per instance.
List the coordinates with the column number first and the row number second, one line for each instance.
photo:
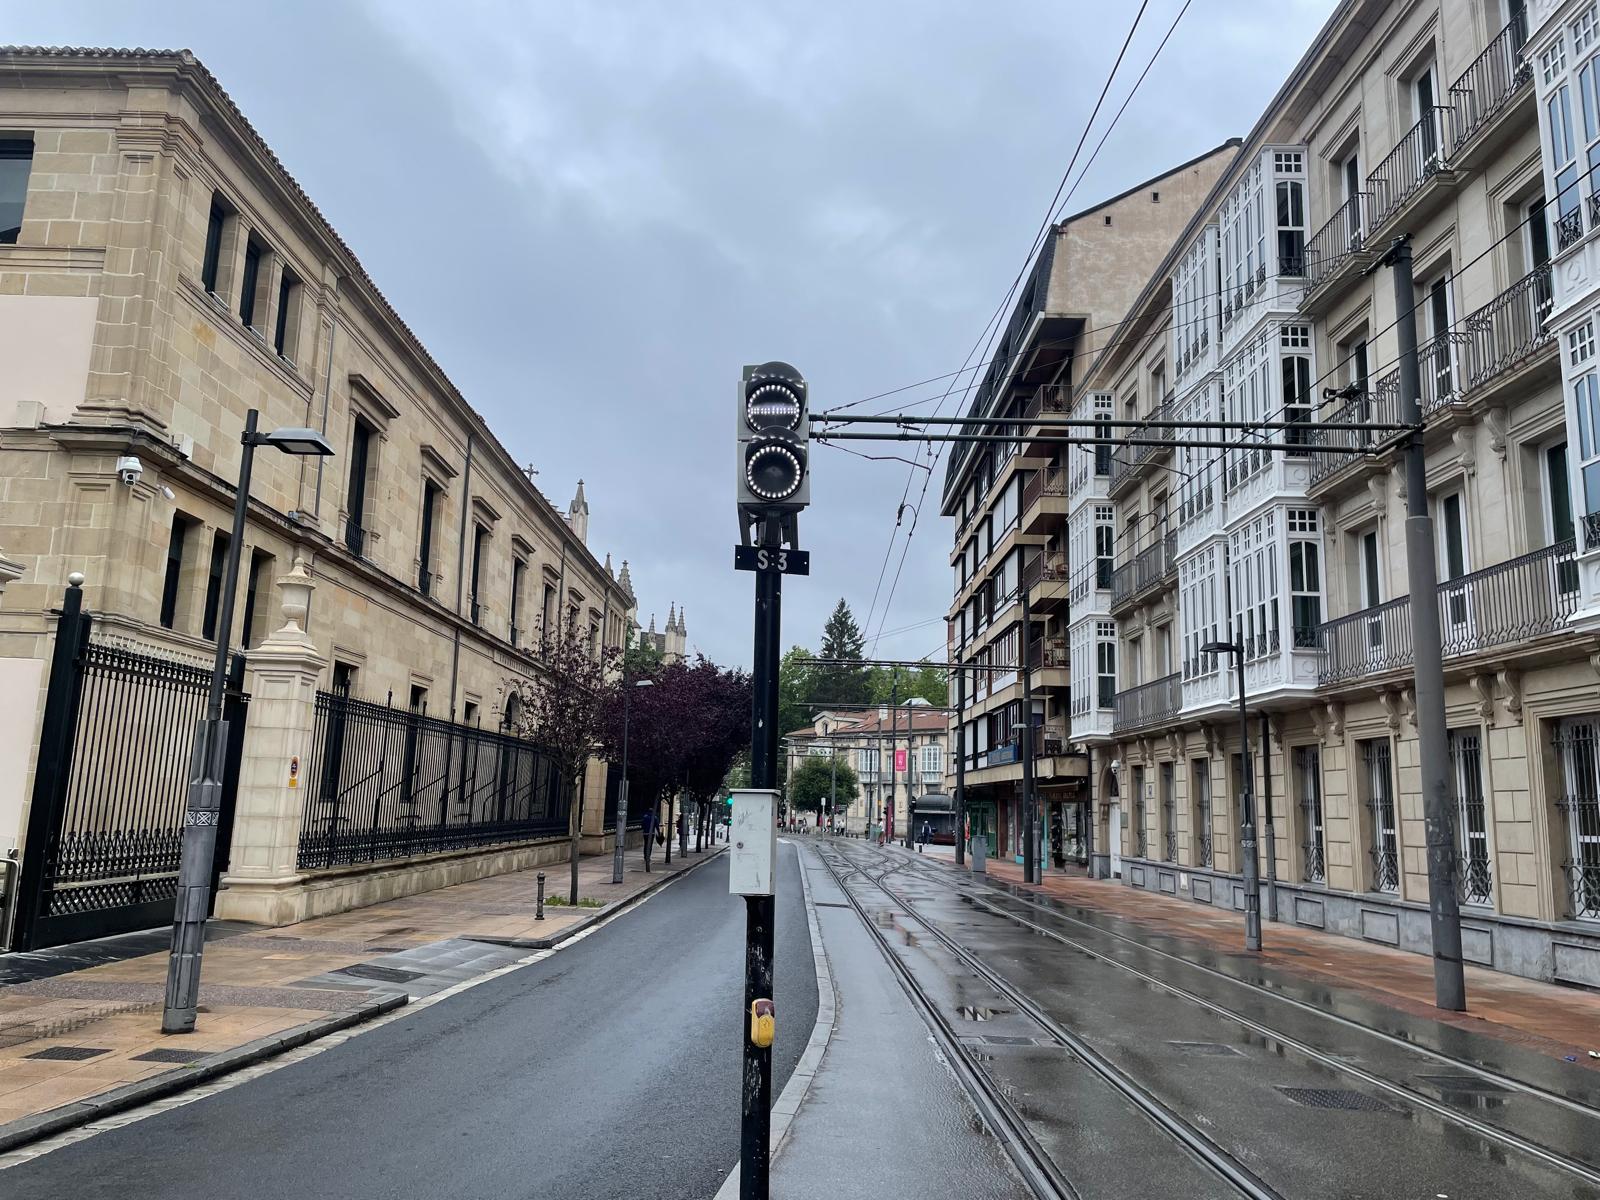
column 805, row 1070
column 610, row 910
column 25, row 1130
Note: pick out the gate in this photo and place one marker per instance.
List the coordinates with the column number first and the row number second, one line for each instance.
column 105, row 828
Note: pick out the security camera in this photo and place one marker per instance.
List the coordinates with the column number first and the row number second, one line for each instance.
column 129, row 469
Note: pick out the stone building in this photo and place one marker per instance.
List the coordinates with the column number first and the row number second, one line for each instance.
column 1009, row 501
column 161, row 272
column 1419, row 119
column 673, row 643
column 898, row 753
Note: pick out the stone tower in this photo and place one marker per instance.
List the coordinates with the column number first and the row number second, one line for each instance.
column 578, row 515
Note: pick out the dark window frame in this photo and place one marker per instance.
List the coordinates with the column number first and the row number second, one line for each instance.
column 16, row 150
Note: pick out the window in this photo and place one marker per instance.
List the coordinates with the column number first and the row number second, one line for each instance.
column 1308, row 782
column 1537, row 246
column 1563, row 156
column 1197, row 611
column 1577, row 744
column 258, row 586
column 419, row 698
column 1559, row 528
column 1105, row 663
column 247, row 286
column 1382, row 838
column 344, row 678
column 1438, row 352
column 214, row 577
column 212, row 262
column 1253, row 562
column 1169, row 824
column 1291, row 227
column 1200, row 791
column 356, row 488
column 1474, row 881
column 1305, row 588
column 1452, row 537
column 932, row 763
column 469, row 712
column 288, row 320
column 1353, row 354
column 1155, row 197
column 1141, row 832
column 171, row 584
column 519, row 568
column 479, row 536
column 1105, row 537
column 1295, row 367
column 1371, row 586
column 16, row 161
column 430, row 512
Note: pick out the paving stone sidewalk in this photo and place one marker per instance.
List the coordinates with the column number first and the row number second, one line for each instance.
column 1551, row 1019
column 71, row 1033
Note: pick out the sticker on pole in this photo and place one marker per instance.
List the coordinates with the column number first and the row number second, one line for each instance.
column 772, row 559
column 294, row 771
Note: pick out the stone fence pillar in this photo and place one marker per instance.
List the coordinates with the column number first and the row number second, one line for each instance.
column 263, row 883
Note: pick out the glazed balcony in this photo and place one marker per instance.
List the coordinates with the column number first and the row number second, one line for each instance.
column 1149, row 569
column 1506, row 604
column 1148, row 704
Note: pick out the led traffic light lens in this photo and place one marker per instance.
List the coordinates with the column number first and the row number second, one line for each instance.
column 772, row 405
column 773, row 470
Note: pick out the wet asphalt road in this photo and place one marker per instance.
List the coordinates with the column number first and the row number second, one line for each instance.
column 608, row 1070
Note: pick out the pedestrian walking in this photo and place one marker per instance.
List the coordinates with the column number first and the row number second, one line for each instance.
column 924, row 836
column 649, row 823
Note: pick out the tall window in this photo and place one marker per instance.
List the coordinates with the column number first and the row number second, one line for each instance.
column 258, row 587
column 1382, row 838
column 519, row 568
column 1559, row 527
column 247, row 286
column 1141, row 831
column 287, row 324
column 16, row 160
column 479, row 536
column 355, row 502
column 1169, row 824
column 1253, row 561
column 1371, row 584
column 1585, row 418
column 1291, row 227
column 1200, row 791
column 1453, row 560
column 1105, row 540
column 1308, row 782
column 1474, row 880
column 212, row 263
column 214, row 576
column 1563, row 154
column 430, row 511
column 932, row 763
column 547, row 609
column 1577, row 743
column 1295, row 367
column 1105, row 663
column 1305, row 576
column 172, row 582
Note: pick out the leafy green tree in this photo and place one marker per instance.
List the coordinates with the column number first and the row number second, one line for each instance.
column 929, row 682
column 795, row 684
column 842, row 639
column 814, row 781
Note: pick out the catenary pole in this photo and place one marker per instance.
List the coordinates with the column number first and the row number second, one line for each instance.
column 961, row 769
column 1449, row 981
column 1030, row 849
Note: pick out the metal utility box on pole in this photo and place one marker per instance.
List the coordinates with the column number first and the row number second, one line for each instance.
column 1433, row 748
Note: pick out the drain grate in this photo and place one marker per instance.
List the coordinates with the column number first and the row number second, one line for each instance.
column 380, row 974
column 1212, row 1048
column 1462, row 1083
column 68, row 1053
column 1336, row 1098
column 170, row 1056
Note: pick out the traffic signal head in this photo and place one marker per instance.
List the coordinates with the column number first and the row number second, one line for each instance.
column 773, row 429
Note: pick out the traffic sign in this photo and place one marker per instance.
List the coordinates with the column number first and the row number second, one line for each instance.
column 775, row 559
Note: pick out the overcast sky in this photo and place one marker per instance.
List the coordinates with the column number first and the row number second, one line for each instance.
column 593, row 212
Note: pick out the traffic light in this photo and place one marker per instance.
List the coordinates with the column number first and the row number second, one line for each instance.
column 773, row 429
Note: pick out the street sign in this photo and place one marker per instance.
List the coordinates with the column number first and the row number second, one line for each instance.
column 772, row 558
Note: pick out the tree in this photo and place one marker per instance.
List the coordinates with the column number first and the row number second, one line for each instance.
column 819, row 778
column 929, row 682
column 841, row 639
column 795, row 684
column 639, row 658
column 564, row 710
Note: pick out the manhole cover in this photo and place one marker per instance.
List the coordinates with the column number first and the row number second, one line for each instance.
column 1336, row 1098
column 1461, row 1083
column 1213, row 1048
column 380, row 974
column 170, row 1056
column 68, row 1053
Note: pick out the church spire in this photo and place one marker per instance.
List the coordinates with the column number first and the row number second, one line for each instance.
column 578, row 515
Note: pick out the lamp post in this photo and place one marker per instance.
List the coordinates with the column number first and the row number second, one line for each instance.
column 622, row 798
column 1247, row 829
column 204, row 804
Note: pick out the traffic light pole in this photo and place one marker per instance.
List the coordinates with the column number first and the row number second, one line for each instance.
column 755, row 1125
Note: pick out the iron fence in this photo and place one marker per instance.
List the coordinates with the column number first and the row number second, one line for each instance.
column 1200, row 779
column 1128, row 459
column 1307, row 767
column 386, row 783
column 1510, row 327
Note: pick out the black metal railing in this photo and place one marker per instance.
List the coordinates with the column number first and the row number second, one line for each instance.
column 355, row 537
column 1594, row 213
column 1569, row 225
column 1147, row 704
column 1504, row 332
column 1416, row 158
column 1486, row 86
column 1522, row 598
column 1048, row 654
column 1149, row 568
column 1141, row 831
column 1049, row 400
column 1379, row 405
column 1590, row 524
column 1202, row 828
column 1577, row 745
column 1128, row 459
column 1383, row 844
column 386, row 783
column 1340, row 236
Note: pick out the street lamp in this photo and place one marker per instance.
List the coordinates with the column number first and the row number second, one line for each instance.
column 622, row 796
column 204, row 805
column 1247, row 830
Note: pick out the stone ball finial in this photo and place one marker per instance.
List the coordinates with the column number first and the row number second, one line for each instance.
column 75, row 579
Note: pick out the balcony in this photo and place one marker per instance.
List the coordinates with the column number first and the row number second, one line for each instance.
column 1048, row 400
column 1419, row 157
column 1335, row 255
column 1511, row 602
column 1049, row 741
column 1569, row 225
column 1127, row 460
column 1149, row 569
column 1505, row 332
column 1148, row 704
column 1049, row 654
column 1044, row 499
column 355, row 537
column 1488, row 87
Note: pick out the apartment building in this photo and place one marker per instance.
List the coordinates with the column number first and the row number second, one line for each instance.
column 1420, row 120
column 161, row 272
column 1009, row 501
column 898, row 753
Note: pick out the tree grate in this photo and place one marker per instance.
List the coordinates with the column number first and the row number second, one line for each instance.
column 1336, row 1098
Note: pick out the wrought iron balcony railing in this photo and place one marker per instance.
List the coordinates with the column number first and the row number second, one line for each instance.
column 1148, row 569
column 1501, row 334
column 1340, row 237
column 1494, row 77
column 1051, row 481
column 1569, row 225
column 1380, row 405
column 1048, row 653
column 1128, row 459
column 1049, row 400
column 1513, row 601
column 1147, row 704
column 1417, row 157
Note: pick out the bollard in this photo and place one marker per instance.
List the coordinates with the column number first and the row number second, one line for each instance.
column 538, row 912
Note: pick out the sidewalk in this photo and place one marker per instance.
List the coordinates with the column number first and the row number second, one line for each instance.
column 78, row 1042
column 1550, row 1019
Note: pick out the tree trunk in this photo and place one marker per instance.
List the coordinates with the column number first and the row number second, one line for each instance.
column 668, row 830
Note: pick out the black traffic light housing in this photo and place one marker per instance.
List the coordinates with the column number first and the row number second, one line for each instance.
column 773, row 431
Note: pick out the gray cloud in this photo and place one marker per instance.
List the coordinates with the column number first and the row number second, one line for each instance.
column 594, row 213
